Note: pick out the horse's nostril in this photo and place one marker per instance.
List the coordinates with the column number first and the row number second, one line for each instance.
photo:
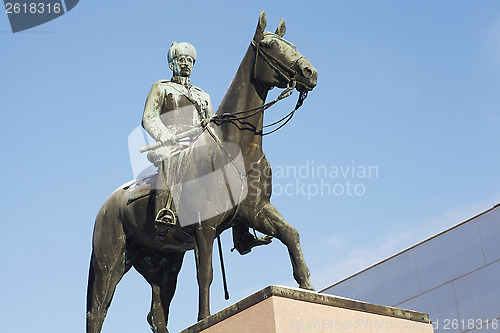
column 307, row 72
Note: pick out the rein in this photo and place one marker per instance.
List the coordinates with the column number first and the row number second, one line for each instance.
column 288, row 117
column 279, row 67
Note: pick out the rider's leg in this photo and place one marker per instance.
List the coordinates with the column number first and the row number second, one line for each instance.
column 161, row 200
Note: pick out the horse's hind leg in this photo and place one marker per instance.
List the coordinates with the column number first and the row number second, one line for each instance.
column 170, row 266
column 269, row 221
column 107, row 267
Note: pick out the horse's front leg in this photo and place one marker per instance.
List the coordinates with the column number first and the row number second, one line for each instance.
column 269, row 221
column 204, row 240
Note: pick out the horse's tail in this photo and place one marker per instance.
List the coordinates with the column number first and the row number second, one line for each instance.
column 107, row 263
column 92, row 323
column 90, row 284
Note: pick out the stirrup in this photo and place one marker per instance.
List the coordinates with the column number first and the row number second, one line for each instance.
column 166, row 216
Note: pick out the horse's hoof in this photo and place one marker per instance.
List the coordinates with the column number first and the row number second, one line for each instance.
column 307, row 286
column 246, row 244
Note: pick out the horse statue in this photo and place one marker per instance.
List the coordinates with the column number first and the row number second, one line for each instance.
column 124, row 227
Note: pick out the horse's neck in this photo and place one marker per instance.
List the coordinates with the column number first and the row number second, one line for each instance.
column 242, row 94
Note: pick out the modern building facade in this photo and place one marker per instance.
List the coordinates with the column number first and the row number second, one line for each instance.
column 453, row 276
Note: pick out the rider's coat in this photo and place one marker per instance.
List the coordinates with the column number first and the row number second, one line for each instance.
column 169, row 107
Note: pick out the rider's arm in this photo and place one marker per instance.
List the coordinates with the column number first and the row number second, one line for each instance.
column 210, row 110
column 151, row 120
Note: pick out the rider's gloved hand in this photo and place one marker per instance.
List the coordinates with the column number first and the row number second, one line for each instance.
column 204, row 122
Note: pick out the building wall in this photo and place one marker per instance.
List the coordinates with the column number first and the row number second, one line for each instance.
column 453, row 276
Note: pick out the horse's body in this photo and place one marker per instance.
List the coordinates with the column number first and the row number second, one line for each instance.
column 125, row 224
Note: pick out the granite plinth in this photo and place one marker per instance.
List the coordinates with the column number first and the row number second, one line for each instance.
column 283, row 309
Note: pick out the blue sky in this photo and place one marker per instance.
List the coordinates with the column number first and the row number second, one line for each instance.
column 411, row 88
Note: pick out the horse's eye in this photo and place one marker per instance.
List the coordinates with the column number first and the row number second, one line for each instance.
column 267, row 43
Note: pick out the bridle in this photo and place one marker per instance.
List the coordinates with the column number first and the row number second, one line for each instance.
column 286, row 72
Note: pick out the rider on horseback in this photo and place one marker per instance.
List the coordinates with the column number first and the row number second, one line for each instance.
column 176, row 107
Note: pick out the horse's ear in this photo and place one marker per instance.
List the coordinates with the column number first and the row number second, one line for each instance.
column 281, row 29
column 261, row 26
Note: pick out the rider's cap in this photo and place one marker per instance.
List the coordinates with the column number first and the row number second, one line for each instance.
column 178, row 49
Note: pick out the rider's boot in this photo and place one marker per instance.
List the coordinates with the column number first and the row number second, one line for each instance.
column 244, row 241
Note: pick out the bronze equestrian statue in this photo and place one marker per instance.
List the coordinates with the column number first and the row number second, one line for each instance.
column 124, row 231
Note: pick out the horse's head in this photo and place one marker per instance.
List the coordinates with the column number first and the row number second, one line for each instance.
column 277, row 61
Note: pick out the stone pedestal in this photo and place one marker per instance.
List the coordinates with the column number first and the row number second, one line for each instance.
column 282, row 309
